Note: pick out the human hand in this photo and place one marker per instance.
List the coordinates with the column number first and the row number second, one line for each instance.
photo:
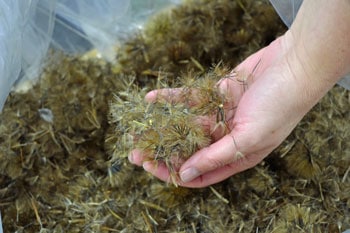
column 273, row 99
column 242, row 147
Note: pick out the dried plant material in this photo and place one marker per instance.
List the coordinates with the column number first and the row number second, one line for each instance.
column 301, row 163
column 194, row 35
column 296, row 218
column 58, row 150
column 219, row 195
column 170, row 196
column 169, row 130
column 262, row 182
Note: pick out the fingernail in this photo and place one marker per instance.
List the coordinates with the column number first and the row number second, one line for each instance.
column 147, row 166
column 189, row 174
column 131, row 158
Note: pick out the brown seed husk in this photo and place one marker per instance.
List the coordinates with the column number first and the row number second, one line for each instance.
column 60, row 166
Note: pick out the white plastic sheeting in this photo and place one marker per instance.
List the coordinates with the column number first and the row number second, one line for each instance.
column 29, row 28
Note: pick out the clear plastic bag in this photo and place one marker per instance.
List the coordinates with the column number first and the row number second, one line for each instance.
column 100, row 23
column 1, row 230
column 16, row 52
column 287, row 10
column 29, row 28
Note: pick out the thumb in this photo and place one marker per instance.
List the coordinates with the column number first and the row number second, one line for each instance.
column 222, row 158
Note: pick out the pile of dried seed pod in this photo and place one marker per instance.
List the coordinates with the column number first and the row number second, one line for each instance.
column 168, row 129
column 60, row 170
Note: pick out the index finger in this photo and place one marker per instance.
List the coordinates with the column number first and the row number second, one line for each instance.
column 167, row 94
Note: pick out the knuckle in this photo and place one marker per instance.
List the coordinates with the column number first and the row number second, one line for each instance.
column 214, row 163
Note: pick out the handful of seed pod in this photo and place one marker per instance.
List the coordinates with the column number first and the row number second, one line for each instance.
column 169, row 129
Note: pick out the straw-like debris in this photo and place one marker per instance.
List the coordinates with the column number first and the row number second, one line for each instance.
column 60, row 170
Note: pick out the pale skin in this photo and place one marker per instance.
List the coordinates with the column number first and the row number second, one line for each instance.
column 294, row 72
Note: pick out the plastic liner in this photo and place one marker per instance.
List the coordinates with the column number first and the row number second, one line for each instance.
column 22, row 43
column 101, row 23
column 1, row 230
column 287, row 10
column 29, row 28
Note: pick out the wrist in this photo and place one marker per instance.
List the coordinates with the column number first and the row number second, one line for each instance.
column 317, row 50
column 320, row 38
